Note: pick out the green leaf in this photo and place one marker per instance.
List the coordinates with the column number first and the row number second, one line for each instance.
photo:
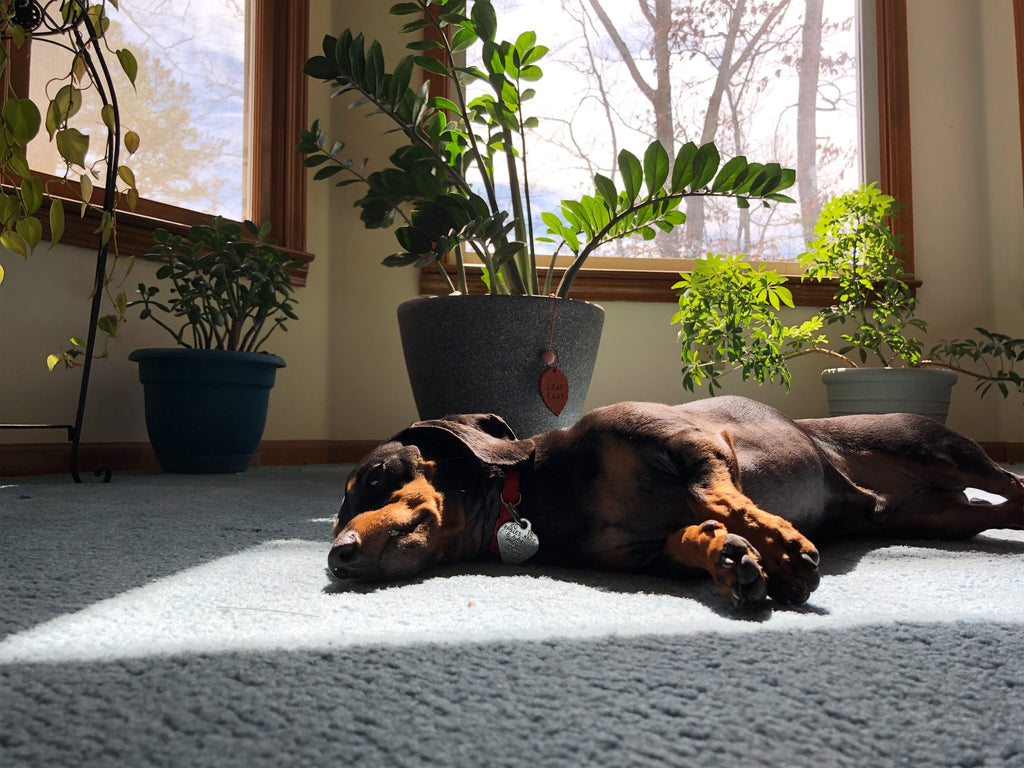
column 128, row 64
column 606, row 188
column 14, row 243
column 32, row 194
column 31, row 230
column 404, row 9
column 108, row 114
column 705, row 165
column 131, row 142
column 632, row 174
column 62, row 108
column 682, row 170
column 484, row 19
column 108, row 325
column 126, row 175
column 655, row 167
column 72, row 145
column 726, row 177
column 56, row 220
column 463, row 39
column 430, row 64
column 22, row 119
column 85, row 187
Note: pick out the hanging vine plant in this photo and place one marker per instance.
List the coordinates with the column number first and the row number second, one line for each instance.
column 27, row 197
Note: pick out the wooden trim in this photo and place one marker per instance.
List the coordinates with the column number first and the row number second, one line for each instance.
column 894, row 117
column 641, row 285
column 54, row 458
column 1018, row 33
column 894, row 131
column 1010, row 453
column 20, row 459
column 280, row 108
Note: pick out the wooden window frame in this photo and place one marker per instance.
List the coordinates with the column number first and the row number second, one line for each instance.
column 648, row 285
column 1018, row 34
column 280, row 43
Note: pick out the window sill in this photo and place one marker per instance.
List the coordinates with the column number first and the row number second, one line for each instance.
column 135, row 232
column 630, row 285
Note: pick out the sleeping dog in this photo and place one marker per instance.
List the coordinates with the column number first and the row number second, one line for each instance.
column 724, row 485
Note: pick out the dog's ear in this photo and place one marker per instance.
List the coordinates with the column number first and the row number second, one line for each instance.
column 484, row 436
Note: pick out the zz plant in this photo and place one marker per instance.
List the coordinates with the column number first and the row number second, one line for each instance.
column 229, row 286
column 427, row 188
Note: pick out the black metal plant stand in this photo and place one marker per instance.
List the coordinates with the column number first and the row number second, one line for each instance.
column 31, row 15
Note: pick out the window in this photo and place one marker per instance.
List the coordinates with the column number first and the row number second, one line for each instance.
column 219, row 114
column 599, row 70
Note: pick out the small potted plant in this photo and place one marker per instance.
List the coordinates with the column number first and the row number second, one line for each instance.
column 728, row 313
column 442, row 190
column 206, row 399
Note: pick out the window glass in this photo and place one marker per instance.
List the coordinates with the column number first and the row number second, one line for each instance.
column 619, row 74
column 190, row 108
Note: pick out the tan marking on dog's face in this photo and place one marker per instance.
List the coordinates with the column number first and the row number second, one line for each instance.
column 403, row 537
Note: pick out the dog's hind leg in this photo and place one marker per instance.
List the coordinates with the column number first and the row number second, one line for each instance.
column 934, row 482
column 954, row 505
column 732, row 561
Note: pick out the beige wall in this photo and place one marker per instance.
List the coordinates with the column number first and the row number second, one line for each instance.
column 345, row 378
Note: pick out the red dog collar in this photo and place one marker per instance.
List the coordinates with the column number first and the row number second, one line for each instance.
column 510, row 498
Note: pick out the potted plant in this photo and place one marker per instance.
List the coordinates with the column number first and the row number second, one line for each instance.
column 440, row 192
column 729, row 320
column 206, row 399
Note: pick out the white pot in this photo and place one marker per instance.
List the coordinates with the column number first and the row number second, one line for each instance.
column 889, row 390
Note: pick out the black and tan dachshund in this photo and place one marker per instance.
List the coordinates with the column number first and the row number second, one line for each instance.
column 725, row 485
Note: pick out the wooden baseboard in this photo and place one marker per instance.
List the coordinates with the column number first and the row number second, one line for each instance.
column 1005, row 452
column 54, row 458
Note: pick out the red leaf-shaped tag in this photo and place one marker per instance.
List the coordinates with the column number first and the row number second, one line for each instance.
column 554, row 390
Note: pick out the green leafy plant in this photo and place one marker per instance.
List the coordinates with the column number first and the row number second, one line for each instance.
column 855, row 246
column 729, row 309
column 229, row 286
column 728, row 318
column 428, row 191
column 991, row 359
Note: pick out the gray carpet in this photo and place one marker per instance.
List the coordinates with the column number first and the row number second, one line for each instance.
column 189, row 621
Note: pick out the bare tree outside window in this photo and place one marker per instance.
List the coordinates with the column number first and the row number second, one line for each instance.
column 190, row 107
column 774, row 79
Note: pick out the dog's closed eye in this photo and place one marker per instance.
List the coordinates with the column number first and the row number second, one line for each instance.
column 419, row 518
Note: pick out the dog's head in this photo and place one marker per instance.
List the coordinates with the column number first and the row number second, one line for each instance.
column 405, row 507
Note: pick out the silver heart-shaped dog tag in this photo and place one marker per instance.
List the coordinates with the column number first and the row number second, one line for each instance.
column 517, row 542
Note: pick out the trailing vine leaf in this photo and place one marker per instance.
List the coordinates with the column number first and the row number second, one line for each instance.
column 21, row 117
column 73, row 145
column 56, row 221
column 128, row 64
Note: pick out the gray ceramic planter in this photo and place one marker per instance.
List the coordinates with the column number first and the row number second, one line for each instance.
column 889, row 390
column 482, row 354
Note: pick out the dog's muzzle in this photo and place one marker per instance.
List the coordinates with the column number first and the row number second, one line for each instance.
column 344, row 555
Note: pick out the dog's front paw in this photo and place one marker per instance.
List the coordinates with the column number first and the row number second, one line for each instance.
column 791, row 561
column 740, row 572
column 735, row 565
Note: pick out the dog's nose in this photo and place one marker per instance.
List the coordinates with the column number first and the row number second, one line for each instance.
column 343, row 553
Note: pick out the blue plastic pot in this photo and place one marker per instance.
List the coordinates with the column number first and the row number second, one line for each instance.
column 205, row 409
